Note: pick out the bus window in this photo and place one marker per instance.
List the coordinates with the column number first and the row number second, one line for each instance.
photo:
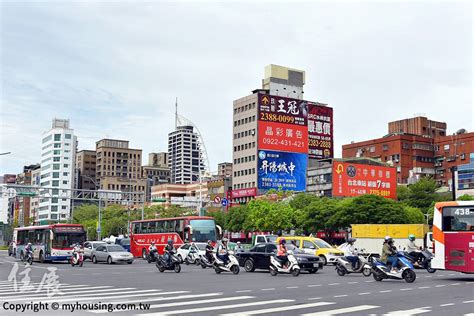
column 458, row 218
column 152, row 227
column 31, row 236
column 165, row 226
column 159, row 226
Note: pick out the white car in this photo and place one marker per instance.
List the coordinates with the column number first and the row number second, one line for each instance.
column 183, row 250
column 90, row 247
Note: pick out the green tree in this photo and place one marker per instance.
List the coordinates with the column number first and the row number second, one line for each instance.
column 422, row 194
column 466, row 197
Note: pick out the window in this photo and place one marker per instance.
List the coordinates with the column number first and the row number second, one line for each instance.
column 67, row 136
column 65, row 182
column 56, row 152
column 385, row 147
column 458, row 218
column 308, row 245
column 66, row 165
column 56, row 166
column 55, row 175
column 56, row 159
column 57, row 137
column 55, row 183
column 57, row 145
column 65, row 174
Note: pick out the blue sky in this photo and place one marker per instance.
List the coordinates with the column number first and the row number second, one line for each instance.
column 114, row 69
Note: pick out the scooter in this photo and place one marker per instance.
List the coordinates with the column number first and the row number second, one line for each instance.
column 344, row 266
column 423, row 261
column 192, row 257
column 231, row 266
column 77, row 258
column 205, row 263
column 276, row 266
column 174, row 264
column 406, row 272
column 151, row 256
column 28, row 257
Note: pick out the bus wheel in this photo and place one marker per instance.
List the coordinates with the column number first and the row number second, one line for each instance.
column 144, row 254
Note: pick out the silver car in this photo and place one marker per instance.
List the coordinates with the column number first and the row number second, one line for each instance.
column 111, row 254
column 90, row 247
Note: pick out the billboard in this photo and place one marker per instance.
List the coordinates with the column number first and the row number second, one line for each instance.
column 282, row 110
column 282, row 137
column 281, row 170
column 243, row 193
column 349, row 179
column 320, row 131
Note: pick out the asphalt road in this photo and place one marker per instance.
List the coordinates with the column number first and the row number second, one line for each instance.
column 195, row 291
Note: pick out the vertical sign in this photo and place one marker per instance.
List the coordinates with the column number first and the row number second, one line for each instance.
column 320, row 131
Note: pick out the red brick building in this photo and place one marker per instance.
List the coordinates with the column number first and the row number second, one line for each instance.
column 415, row 153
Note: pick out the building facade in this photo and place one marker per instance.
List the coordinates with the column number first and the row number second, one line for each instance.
column 465, row 178
column 156, row 171
column 184, row 195
column 57, row 170
column 418, row 126
column 224, row 170
column 86, row 169
column 22, row 212
column 34, row 201
column 184, row 155
column 119, row 168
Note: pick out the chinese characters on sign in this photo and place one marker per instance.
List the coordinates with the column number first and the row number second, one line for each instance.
column 243, row 193
column 281, row 170
column 320, row 131
column 282, row 110
column 49, row 282
column 282, row 137
column 356, row 179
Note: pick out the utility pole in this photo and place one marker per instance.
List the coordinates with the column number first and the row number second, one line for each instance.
column 453, row 181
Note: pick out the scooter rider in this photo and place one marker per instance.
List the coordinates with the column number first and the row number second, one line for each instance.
column 389, row 252
column 222, row 252
column 350, row 252
column 152, row 250
column 75, row 251
column 209, row 251
column 169, row 250
column 239, row 248
column 282, row 253
column 413, row 250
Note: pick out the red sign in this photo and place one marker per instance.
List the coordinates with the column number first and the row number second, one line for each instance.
column 243, row 192
column 282, row 110
column 320, row 131
column 350, row 179
column 283, row 137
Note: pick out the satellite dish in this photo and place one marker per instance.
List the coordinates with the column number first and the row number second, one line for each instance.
column 461, row 131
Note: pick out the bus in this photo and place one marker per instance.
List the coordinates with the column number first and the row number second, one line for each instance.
column 180, row 229
column 453, row 235
column 50, row 242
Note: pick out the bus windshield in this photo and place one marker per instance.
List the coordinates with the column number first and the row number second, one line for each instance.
column 66, row 240
column 203, row 230
column 458, row 218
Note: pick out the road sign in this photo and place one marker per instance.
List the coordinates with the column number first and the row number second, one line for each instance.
column 217, row 200
column 225, row 202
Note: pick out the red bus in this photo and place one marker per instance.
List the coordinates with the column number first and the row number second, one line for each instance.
column 179, row 229
column 453, row 235
column 49, row 242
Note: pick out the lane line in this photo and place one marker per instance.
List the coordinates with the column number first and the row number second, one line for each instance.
column 385, row 291
column 343, row 295
column 17, row 297
column 161, row 298
column 343, row 310
column 406, row 289
column 314, row 285
column 352, row 282
column 467, row 302
column 62, row 290
column 314, row 298
column 291, row 287
column 334, row 283
column 448, row 304
column 440, row 285
column 270, row 289
column 424, row 287
column 414, row 311
column 365, row 293
column 455, row 283
column 213, row 308
column 243, row 291
column 280, row 309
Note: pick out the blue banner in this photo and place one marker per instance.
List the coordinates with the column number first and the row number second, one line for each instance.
column 282, row 170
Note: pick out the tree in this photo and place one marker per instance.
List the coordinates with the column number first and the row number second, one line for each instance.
column 422, row 194
column 466, row 197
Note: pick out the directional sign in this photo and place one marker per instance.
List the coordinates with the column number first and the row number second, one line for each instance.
column 217, row 200
column 225, row 202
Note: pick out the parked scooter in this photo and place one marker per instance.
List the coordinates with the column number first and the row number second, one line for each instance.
column 77, row 258
column 344, row 266
column 174, row 264
column 276, row 266
column 423, row 261
column 152, row 256
column 406, row 272
column 231, row 266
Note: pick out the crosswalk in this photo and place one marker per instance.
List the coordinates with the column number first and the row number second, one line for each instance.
column 157, row 302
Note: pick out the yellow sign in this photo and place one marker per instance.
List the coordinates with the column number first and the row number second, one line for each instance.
column 339, row 169
column 265, row 100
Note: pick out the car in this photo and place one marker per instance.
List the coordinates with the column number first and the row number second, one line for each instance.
column 124, row 242
column 315, row 246
column 90, row 247
column 183, row 250
column 258, row 257
column 111, row 253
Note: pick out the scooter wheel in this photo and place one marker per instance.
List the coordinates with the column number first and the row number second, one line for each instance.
column 409, row 276
column 378, row 276
column 295, row 272
column 340, row 271
column 217, row 270
column 177, row 268
column 273, row 272
column 235, row 269
column 81, row 264
column 203, row 265
column 367, row 272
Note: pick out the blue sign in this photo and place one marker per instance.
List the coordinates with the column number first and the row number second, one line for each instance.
column 225, row 202
column 282, row 170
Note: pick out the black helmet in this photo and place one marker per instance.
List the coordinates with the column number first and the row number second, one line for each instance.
column 351, row 240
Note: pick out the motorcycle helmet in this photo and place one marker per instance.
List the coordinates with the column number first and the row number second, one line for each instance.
column 224, row 239
column 411, row 237
column 152, row 243
column 238, row 243
column 387, row 238
column 209, row 242
column 170, row 242
column 282, row 241
column 351, row 240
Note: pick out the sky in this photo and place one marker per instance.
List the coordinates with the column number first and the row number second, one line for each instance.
column 115, row 68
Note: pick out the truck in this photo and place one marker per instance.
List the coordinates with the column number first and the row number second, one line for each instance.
column 370, row 237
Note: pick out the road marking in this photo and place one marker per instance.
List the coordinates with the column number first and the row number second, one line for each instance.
column 343, row 310
column 291, row 287
column 428, row 276
column 343, row 295
column 95, row 297
column 243, row 291
column 448, row 304
column 213, row 308
column 314, row 285
column 61, row 287
column 386, row 291
column 369, row 281
column 424, row 287
column 314, row 298
column 352, row 282
column 334, row 283
column 270, row 289
column 213, row 300
column 441, row 275
column 466, row 302
column 365, row 293
column 414, row 311
column 451, row 274
column 440, row 285
column 407, row 289
column 455, row 283
column 279, row 309
column 16, row 297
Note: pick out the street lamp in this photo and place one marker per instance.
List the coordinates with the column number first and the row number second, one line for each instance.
column 5, row 153
column 100, row 205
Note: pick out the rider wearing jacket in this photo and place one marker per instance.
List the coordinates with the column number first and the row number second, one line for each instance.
column 152, row 249
column 413, row 250
column 209, row 251
column 389, row 252
column 169, row 250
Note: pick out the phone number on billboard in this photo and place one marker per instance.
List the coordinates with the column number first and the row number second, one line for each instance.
column 379, row 192
column 319, row 143
column 276, row 118
column 284, row 142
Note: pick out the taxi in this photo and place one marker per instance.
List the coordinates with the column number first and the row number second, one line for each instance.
column 315, row 246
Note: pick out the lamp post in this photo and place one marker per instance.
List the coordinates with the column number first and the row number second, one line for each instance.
column 100, row 205
column 5, row 153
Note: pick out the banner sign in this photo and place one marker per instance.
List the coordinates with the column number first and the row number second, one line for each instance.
column 350, row 179
column 283, row 137
column 320, row 131
column 282, row 170
column 243, row 192
column 282, row 110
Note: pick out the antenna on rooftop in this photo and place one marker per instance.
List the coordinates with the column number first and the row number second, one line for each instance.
column 176, row 114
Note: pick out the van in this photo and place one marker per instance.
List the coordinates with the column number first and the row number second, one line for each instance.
column 315, row 246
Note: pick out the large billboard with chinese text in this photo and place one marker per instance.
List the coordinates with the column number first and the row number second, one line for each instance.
column 282, row 137
column 320, row 131
column 281, row 170
column 282, row 110
column 349, row 179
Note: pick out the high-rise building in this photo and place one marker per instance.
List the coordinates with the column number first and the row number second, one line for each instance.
column 34, row 201
column 57, row 170
column 119, row 167
column 158, row 159
column 184, row 155
column 23, row 203
column 224, row 170
column 85, row 168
